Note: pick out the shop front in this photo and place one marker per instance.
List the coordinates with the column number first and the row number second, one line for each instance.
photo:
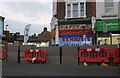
column 75, row 32
column 108, row 31
column 75, row 37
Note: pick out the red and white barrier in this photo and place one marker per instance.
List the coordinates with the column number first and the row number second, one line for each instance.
column 3, row 54
column 35, row 55
column 116, row 54
column 94, row 55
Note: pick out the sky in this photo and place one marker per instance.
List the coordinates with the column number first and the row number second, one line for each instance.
column 18, row 14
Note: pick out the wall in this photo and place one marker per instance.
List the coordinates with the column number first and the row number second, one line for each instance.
column 90, row 12
column 60, row 10
column 100, row 10
column 119, row 9
column 56, row 55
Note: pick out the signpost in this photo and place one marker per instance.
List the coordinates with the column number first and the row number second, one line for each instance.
column 105, row 30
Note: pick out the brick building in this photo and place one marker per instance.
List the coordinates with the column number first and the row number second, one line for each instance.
column 75, row 26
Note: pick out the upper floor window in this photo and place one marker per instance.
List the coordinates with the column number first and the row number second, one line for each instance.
column 109, row 6
column 75, row 10
column 68, row 10
column 82, row 9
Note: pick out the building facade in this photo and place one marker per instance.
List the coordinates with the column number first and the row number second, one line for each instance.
column 108, row 22
column 75, row 24
column 1, row 28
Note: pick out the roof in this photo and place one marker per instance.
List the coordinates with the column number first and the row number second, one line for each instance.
column 44, row 36
column 2, row 17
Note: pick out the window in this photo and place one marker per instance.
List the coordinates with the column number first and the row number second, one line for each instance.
column 68, row 10
column 108, row 6
column 75, row 10
column 81, row 9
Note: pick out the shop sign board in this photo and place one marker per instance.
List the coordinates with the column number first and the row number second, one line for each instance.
column 112, row 25
column 75, row 40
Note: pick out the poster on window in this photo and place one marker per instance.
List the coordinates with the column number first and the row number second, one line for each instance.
column 1, row 28
column 86, row 40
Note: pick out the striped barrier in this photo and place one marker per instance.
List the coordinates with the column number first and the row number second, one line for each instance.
column 2, row 54
column 35, row 55
column 94, row 55
column 116, row 54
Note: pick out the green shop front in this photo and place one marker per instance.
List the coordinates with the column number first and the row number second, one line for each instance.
column 108, row 31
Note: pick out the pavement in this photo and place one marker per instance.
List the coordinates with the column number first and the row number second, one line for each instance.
column 15, row 69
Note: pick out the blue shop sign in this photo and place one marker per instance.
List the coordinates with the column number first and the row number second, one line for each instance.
column 75, row 40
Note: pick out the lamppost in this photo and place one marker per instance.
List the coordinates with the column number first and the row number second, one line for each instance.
column 105, row 30
column 93, row 21
column 55, row 22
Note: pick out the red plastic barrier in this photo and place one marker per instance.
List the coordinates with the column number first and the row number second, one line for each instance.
column 41, row 56
column 30, row 54
column 116, row 54
column 3, row 54
column 94, row 55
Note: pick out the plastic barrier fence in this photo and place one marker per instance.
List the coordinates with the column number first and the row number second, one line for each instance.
column 39, row 55
column 116, row 54
column 3, row 54
column 94, row 55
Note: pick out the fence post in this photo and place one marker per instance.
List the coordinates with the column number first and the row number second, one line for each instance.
column 6, row 46
column 18, row 61
column 77, row 54
column 60, row 55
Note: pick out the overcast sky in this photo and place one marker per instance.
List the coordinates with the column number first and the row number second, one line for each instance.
column 19, row 14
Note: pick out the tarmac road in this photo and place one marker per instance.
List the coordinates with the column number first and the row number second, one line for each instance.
column 14, row 69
